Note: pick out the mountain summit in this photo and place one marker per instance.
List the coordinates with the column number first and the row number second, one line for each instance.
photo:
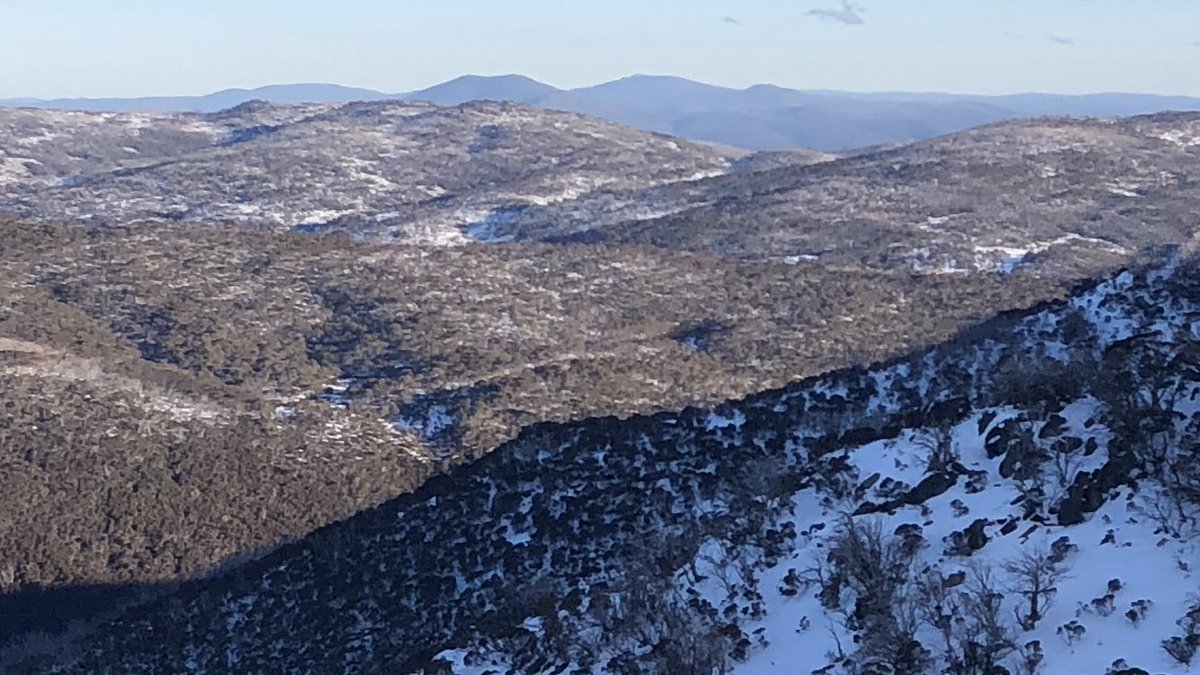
column 515, row 88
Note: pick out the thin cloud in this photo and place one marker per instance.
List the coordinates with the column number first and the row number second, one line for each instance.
column 732, row 20
column 1009, row 35
column 848, row 13
column 1062, row 40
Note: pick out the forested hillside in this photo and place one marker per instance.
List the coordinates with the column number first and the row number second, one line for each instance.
column 179, row 397
column 1021, row 497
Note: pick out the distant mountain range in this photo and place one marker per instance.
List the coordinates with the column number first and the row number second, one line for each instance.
column 761, row 117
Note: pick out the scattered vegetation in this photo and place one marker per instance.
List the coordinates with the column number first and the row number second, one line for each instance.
column 1182, row 647
column 177, row 395
column 1051, row 196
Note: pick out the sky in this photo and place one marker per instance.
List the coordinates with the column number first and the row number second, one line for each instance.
column 69, row 48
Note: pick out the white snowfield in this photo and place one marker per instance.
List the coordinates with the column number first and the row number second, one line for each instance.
column 1119, row 542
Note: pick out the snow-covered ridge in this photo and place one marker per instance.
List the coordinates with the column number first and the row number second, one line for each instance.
column 1051, row 197
column 413, row 172
column 597, row 546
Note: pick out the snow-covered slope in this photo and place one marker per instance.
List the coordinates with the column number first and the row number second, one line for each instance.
column 1115, row 562
column 410, row 172
column 874, row 520
column 1048, row 195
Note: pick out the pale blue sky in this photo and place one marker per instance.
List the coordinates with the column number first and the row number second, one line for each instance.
column 52, row 48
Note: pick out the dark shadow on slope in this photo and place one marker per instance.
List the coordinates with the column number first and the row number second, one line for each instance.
column 251, row 133
column 43, row 627
column 52, row 610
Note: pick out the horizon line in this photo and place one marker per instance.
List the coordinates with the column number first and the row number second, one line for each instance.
column 386, row 93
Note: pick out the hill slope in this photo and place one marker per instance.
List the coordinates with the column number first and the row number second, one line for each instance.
column 175, row 396
column 1050, row 195
column 794, row 530
column 409, row 171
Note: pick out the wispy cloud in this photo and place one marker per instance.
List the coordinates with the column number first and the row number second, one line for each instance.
column 1062, row 40
column 1009, row 35
column 1195, row 43
column 732, row 20
column 848, row 13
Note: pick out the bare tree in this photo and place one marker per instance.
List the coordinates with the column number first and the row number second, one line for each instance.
column 872, row 566
column 1181, row 482
column 670, row 635
column 1035, row 578
column 939, row 443
column 970, row 620
column 1064, row 465
column 869, row 582
column 1145, row 377
column 1173, row 460
column 987, row 639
